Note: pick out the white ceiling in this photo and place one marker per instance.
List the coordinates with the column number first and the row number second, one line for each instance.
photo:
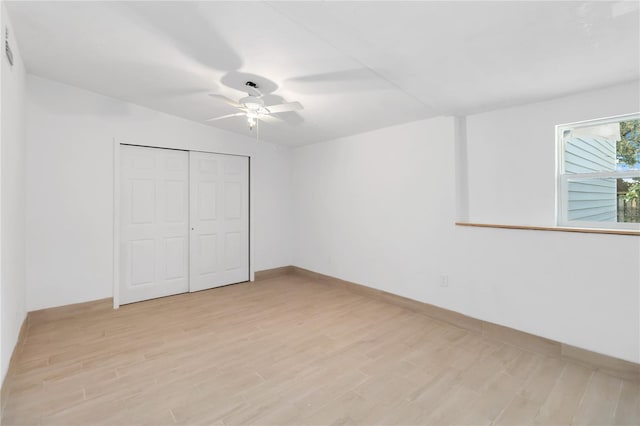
column 355, row 66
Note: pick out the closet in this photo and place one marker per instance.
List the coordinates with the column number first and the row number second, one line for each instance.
column 183, row 221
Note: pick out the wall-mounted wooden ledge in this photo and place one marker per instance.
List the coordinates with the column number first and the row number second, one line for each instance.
column 554, row 228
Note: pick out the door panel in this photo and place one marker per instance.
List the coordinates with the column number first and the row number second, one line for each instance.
column 154, row 234
column 142, row 261
column 219, row 211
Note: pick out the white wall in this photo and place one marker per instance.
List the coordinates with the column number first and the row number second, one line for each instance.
column 379, row 209
column 70, row 136
column 511, row 153
column 579, row 289
column 12, row 190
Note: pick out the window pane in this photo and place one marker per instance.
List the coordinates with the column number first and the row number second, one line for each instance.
column 603, row 147
column 628, row 147
column 603, row 200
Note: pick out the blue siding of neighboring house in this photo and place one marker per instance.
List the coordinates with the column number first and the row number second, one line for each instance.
column 592, row 199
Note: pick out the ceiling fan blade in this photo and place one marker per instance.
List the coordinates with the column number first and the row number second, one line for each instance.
column 226, row 100
column 237, row 114
column 291, row 106
column 271, row 118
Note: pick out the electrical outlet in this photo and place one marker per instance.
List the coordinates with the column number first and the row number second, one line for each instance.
column 444, row 280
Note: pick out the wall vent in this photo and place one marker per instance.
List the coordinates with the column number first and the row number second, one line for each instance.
column 7, row 48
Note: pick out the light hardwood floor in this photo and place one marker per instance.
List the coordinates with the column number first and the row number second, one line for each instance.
column 289, row 350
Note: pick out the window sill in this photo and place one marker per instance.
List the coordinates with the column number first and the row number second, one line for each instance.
column 554, row 228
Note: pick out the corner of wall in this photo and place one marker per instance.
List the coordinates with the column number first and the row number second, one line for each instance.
column 460, row 168
column 12, row 195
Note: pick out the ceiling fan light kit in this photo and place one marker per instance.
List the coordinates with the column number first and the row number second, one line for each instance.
column 253, row 107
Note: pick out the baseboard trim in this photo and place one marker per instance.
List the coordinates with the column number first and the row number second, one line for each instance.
column 273, row 273
column 607, row 364
column 6, row 382
column 66, row 311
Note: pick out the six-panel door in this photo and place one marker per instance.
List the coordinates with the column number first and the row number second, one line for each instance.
column 154, row 223
column 219, row 220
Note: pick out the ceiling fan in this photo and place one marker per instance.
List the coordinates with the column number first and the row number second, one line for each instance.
column 253, row 107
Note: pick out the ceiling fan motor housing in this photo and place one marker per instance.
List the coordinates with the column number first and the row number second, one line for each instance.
column 252, row 103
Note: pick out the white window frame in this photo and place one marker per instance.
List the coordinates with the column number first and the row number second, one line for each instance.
column 563, row 178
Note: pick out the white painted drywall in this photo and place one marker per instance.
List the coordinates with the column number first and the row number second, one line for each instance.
column 379, row 209
column 70, row 136
column 428, row 56
column 511, row 153
column 12, row 190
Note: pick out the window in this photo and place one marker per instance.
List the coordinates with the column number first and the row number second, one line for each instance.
column 599, row 173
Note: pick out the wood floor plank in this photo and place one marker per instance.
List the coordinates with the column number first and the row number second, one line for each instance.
column 599, row 402
column 290, row 350
column 492, row 401
column 563, row 401
column 520, row 411
column 628, row 409
column 452, row 406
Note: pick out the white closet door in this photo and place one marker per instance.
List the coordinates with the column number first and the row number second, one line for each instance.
column 219, row 211
column 154, row 223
